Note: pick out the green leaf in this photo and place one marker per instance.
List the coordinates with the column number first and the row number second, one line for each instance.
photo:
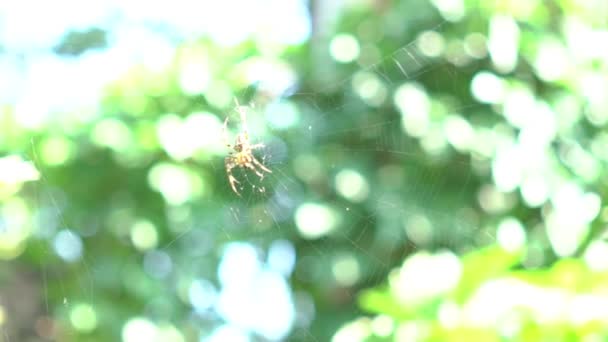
column 482, row 265
column 382, row 301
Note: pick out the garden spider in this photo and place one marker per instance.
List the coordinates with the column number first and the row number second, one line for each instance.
column 242, row 156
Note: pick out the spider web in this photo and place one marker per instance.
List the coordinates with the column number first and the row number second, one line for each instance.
column 416, row 198
column 418, row 187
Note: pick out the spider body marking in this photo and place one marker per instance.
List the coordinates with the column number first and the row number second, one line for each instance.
column 242, row 152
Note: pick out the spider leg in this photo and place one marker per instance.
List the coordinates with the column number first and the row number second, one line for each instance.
column 233, row 181
column 252, row 168
column 260, row 165
column 258, row 145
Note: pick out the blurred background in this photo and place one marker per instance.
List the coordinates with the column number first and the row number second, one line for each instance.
column 438, row 170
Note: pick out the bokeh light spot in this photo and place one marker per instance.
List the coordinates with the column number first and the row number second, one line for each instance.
column 175, row 183
column 431, row 43
column 352, row 185
column 346, row 270
column 487, row 87
column 282, row 114
column 370, row 88
column 15, row 170
column 112, row 133
column 414, row 104
column 452, row 10
column 315, row 220
column 503, row 42
column 424, row 276
column 282, row 257
column 158, row 264
column 202, row 295
column 68, row 245
column 144, row 235
column 56, row 150
column 344, row 48
column 83, row 317
column 511, row 234
column 139, row 329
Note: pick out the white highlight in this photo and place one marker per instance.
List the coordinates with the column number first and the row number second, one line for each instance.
column 552, row 61
column 344, row 48
column 15, row 170
column 452, row 10
column 282, row 257
column 177, row 184
column 184, row 138
column 414, row 104
column 503, row 42
column 370, row 88
column 568, row 222
column 252, row 296
column 596, row 256
column 431, row 43
column 351, row 185
column 315, row 220
column 511, row 234
column 144, row 235
column 424, row 276
column 487, row 87
column 459, row 132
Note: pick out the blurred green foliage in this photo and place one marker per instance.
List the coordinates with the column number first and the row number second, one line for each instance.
column 446, row 184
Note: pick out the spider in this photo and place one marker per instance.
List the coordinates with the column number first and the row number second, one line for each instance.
column 242, row 156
